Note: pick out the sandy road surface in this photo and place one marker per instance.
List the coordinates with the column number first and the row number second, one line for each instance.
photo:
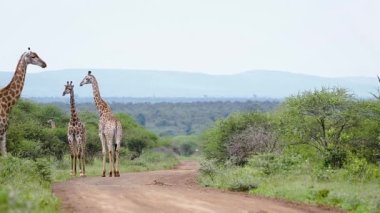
column 161, row 191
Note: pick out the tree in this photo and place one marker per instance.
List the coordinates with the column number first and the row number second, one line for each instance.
column 322, row 119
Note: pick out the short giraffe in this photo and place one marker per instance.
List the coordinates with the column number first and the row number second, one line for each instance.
column 76, row 135
column 12, row 92
column 109, row 128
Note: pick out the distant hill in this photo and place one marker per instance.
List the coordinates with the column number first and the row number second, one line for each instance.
column 145, row 83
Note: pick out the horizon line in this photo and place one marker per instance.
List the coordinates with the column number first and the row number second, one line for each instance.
column 196, row 72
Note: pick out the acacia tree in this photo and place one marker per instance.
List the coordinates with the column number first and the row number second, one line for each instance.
column 322, row 119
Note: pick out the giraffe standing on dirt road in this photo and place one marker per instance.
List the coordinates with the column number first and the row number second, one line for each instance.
column 76, row 135
column 109, row 128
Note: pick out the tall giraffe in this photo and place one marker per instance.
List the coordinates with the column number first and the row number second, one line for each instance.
column 76, row 134
column 109, row 128
column 12, row 92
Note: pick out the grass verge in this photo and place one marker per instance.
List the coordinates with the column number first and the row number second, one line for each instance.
column 25, row 186
column 295, row 181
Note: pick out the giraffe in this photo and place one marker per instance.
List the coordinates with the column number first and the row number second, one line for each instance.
column 76, row 134
column 12, row 92
column 52, row 123
column 109, row 128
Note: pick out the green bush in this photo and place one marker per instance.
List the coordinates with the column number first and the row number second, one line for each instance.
column 30, row 136
column 359, row 169
column 275, row 163
column 28, row 149
column 216, row 139
column 43, row 169
column 187, row 149
column 25, row 186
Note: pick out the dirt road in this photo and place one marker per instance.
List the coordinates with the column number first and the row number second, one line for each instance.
column 161, row 191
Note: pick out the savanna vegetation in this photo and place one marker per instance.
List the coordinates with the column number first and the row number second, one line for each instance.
column 318, row 147
column 168, row 119
column 38, row 155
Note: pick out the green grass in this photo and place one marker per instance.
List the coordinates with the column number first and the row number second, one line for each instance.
column 297, row 181
column 351, row 196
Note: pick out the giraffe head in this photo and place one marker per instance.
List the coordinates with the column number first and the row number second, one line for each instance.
column 88, row 79
column 33, row 58
column 68, row 88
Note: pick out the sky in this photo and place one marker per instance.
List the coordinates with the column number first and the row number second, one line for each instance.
column 317, row 37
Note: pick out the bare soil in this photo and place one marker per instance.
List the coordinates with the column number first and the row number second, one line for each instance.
column 163, row 191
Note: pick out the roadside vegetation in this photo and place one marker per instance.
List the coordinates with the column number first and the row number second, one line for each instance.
column 38, row 155
column 318, row 147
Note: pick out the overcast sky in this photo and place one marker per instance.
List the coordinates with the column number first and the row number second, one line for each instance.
column 321, row 37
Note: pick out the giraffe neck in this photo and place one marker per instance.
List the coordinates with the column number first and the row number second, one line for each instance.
column 74, row 116
column 12, row 92
column 101, row 105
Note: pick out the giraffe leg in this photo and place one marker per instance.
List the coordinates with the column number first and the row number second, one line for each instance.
column 80, row 163
column 3, row 145
column 117, row 173
column 72, row 165
column 102, row 139
column 119, row 135
column 70, row 139
column 79, row 139
column 75, row 164
column 84, row 140
column 83, row 167
column 110, row 157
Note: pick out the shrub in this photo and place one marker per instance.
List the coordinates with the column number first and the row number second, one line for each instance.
column 253, row 140
column 274, row 163
column 335, row 157
column 216, row 139
column 29, row 135
column 359, row 169
column 25, row 186
column 137, row 145
column 208, row 168
column 28, row 149
column 43, row 169
column 187, row 149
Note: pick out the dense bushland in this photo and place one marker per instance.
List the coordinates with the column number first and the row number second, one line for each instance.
column 30, row 136
column 319, row 146
column 173, row 119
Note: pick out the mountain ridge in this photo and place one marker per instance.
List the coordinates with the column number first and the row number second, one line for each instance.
column 151, row 83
